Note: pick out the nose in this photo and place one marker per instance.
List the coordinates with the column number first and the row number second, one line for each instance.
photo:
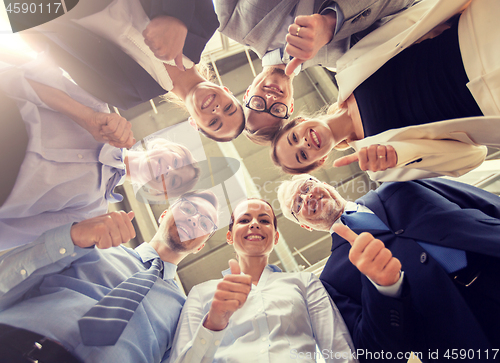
column 271, row 96
column 215, row 109
column 194, row 219
column 254, row 224
column 305, row 143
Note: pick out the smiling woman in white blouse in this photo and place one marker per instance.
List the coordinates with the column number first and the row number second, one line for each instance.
column 257, row 313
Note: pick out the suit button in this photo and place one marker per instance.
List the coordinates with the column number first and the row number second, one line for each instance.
column 399, row 231
column 423, row 257
column 395, row 324
column 367, row 12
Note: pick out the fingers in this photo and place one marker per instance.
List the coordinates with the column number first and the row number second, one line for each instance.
column 377, row 157
column 370, row 256
column 235, row 267
column 178, row 62
column 108, row 230
column 346, row 160
column 120, row 230
column 345, row 232
column 118, row 131
column 292, row 65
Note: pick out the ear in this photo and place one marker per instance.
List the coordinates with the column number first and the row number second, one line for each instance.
column 291, row 106
column 322, row 160
column 162, row 216
column 193, row 124
column 306, row 227
column 229, row 238
column 227, row 90
column 276, row 238
column 247, row 92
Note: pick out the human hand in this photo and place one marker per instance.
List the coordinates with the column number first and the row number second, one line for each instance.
column 374, row 158
column 165, row 36
column 370, row 256
column 231, row 294
column 105, row 231
column 314, row 32
column 110, row 128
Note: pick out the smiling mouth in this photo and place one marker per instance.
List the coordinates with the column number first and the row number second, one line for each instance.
column 184, row 230
column 207, row 101
column 315, row 138
column 273, row 88
column 254, row 237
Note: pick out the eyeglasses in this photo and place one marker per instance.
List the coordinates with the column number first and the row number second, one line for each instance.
column 298, row 201
column 277, row 109
column 204, row 222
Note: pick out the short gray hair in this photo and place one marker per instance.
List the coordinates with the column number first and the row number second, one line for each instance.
column 287, row 189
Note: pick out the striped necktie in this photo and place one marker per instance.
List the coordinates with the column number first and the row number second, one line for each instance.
column 104, row 322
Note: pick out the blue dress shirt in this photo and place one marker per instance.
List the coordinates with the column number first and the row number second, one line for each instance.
column 46, row 286
column 66, row 176
column 282, row 320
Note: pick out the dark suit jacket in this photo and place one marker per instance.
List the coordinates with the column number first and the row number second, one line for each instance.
column 431, row 313
column 103, row 69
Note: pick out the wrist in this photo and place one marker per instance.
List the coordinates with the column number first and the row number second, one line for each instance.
column 211, row 325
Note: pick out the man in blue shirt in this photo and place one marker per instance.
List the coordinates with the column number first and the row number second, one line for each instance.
column 47, row 286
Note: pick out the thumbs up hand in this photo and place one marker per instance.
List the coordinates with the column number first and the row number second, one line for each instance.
column 370, row 256
column 231, row 294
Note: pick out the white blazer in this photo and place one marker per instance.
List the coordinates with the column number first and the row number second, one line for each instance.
column 451, row 147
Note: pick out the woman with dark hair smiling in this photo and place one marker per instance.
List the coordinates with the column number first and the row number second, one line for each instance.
column 256, row 312
column 426, row 107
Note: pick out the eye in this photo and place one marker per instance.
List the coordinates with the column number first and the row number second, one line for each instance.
column 204, row 225
column 265, row 221
column 228, row 107
column 174, row 182
column 243, row 221
column 212, row 122
column 298, row 205
column 303, row 154
column 294, row 137
column 176, row 162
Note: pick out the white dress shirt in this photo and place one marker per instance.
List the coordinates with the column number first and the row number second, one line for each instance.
column 284, row 317
column 66, row 175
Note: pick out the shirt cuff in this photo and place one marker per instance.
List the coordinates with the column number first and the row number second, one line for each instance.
column 58, row 244
column 339, row 13
column 206, row 342
column 392, row 290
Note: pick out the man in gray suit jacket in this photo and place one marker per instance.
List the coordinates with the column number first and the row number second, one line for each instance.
column 312, row 32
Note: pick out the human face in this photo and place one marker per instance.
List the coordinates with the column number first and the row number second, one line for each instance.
column 215, row 110
column 315, row 204
column 253, row 234
column 273, row 85
column 305, row 143
column 187, row 231
column 165, row 170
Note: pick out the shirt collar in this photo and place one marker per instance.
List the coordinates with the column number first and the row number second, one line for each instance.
column 272, row 268
column 147, row 253
column 349, row 208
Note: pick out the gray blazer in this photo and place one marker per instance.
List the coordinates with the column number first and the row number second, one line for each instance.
column 255, row 23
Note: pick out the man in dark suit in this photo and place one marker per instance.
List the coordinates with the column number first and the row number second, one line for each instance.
column 425, row 276
column 103, row 69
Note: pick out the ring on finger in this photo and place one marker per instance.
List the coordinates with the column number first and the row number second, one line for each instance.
column 298, row 31
column 381, row 156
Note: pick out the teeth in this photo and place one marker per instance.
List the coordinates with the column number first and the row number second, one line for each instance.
column 205, row 105
column 315, row 138
column 254, row 238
